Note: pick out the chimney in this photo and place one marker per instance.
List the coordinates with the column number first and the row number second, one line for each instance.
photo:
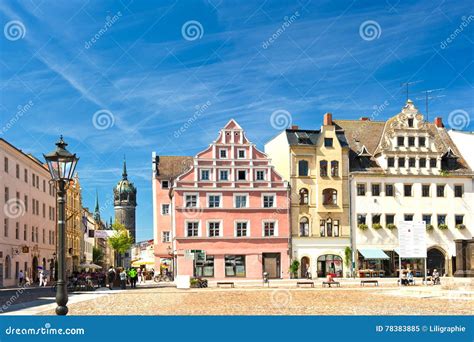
column 295, row 127
column 327, row 119
column 364, row 118
column 438, row 122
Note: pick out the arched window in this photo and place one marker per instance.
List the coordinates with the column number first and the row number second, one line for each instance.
column 323, row 168
column 303, row 168
column 329, row 197
column 304, row 226
column 334, row 168
column 8, row 267
column 304, row 197
column 330, row 264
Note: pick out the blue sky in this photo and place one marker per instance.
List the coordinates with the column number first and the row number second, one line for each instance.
column 147, row 67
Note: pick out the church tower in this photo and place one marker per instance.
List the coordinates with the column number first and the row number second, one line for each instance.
column 125, row 202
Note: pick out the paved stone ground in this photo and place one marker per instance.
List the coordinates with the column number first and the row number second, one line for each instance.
column 268, row 301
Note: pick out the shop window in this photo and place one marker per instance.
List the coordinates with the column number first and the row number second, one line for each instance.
column 204, row 265
column 235, row 265
column 330, row 264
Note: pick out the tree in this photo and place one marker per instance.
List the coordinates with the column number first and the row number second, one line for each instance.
column 97, row 255
column 120, row 241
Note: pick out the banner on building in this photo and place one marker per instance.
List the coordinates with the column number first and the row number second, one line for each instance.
column 412, row 239
column 103, row 234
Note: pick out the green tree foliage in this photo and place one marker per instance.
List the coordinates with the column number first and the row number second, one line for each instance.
column 97, row 255
column 120, row 241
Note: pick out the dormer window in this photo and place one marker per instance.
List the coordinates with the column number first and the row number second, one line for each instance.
column 400, row 141
column 410, row 123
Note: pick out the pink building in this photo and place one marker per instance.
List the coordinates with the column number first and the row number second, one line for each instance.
column 231, row 212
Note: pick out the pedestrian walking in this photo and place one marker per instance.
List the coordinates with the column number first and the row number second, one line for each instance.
column 111, row 277
column 133, row 278
column 42, row 281
column 123, row 279
column 139, row 272
column 21, row 278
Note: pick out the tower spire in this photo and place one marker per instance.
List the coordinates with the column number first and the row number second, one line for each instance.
column 97, row 208
column 124, row 173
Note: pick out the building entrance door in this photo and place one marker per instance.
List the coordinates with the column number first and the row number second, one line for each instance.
column 271, row 264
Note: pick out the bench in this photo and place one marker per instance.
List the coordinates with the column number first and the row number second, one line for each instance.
column 410, row 282
column 363, row 282
column 305, row 283
column 230, row 283
column 329, row 283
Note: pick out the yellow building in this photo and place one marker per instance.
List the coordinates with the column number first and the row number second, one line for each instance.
column 74, row 233
column 316, row 164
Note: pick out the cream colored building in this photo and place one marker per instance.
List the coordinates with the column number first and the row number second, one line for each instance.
column 74, row 233
column 28, row 216
column 315, row 162
column 407, row 169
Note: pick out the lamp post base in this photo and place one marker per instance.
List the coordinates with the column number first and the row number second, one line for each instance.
column 61, row 310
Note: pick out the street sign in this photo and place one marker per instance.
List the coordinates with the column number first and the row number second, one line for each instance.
column 412, row 239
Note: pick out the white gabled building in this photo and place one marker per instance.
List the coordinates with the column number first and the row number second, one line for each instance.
column 401, row 170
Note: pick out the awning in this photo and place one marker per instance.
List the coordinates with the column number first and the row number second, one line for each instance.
column 373, row 254
column 140, row 262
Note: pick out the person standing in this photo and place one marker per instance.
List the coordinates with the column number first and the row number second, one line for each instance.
column 133, row 277
column 123, row 279
column 41, row 278
column 139, row 272
column 111, row 277
column 21, row 278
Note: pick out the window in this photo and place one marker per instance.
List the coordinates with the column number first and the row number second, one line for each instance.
column 421, row 141
column 17, row 230
column 17, row 171
column 192, row 228
column 5, row 165
column 407, row 190
column 214, row 229
column 241, row 175
column 329, row 197
column 5, row 227
column 26, row 176
column 411, row 141
column 375, row 219
column 328, row 142
column 304, row 196
column 260, row 175
column 458, row 191
column 400, row 141
column 401, row 162
column 410, row 122
column 322, row 228
column 328, row 227
column 432, row 162
column 411, row 162
column 427, row 218
column 269, row 229
column 7, row 194
column 440, row 190
column 303, row 168
column 241, row 229
column 360, row 189
column 408, row 217
column 389, row 219
column 204, row 265
column 191, row 201
column 235, row 265
column 8, row 265
column 334, row 168
column 241, row 154
column 165, row 209
column 223, row 153
column 165, row 184
column 205, row 175
column 458, row 219
column 224, row 175
column 268, row 201
column 375, row 189
column 425, row 190
column 25, row 232
column 336, row 228
column 323, row 166
column 391, row 162
column 214, row 201
column 422, row 162
column 441, row 219
column 389, row 190
column 304, row 226
column 241, row 201
column 361, row 218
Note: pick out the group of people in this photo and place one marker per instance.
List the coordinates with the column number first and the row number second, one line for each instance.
column 132, row 276
column 407, row 278
column 23, row 279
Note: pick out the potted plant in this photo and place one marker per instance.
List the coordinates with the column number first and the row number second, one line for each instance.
column 443, row 226
column 460, row 226
column 376, row 226
column 294, row 267
column 391, row 226
column 363, row 226
column 429, row 227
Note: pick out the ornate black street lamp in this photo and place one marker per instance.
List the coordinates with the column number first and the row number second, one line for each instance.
column 61, row 165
